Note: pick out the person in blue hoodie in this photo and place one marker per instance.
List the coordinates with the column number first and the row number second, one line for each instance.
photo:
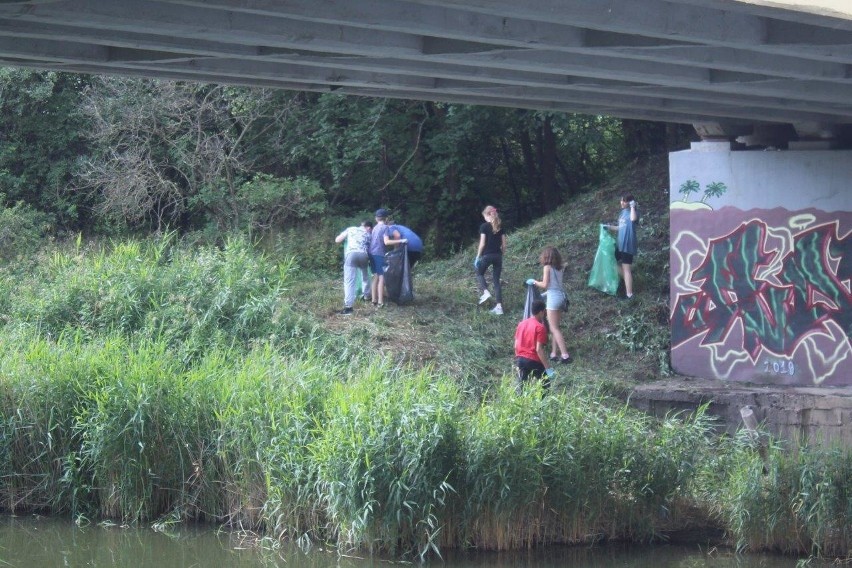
column 415, row 243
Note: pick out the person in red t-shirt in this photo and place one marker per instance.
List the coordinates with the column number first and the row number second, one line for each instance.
column 531, row 346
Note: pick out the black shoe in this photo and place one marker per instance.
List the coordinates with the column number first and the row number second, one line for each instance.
column 554, row 358
column 346, row 312
column 566, row 360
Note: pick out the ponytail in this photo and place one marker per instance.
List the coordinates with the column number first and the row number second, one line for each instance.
column 491, row 211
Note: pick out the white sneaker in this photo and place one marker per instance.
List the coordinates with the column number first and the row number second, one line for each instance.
column 497, row 310
column 485, row 295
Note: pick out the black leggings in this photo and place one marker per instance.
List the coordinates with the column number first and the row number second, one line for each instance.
column 495, row 261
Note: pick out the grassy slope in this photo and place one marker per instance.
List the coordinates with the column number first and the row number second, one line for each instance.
column 613, row 342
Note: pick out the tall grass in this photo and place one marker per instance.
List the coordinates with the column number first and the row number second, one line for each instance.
column 38, row 440
column 387, row 457
column 96, row 428
column 149, row 382
column 160, row 290
column 366, row 456
column 798, row 500
column 568, row 468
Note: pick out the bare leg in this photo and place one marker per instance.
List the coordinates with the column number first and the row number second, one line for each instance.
column 381, row 289
column 557, row 341
column 627, row 274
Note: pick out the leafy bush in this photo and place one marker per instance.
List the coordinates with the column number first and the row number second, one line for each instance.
column 311, row 243
column 271, row 202
column 22, row 230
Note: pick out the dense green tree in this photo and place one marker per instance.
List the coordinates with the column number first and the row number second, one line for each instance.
column 436, row 165
column 187, row 155
column 153, row 154
column 41, row 138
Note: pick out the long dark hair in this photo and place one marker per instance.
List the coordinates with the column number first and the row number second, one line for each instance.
column 550, row 256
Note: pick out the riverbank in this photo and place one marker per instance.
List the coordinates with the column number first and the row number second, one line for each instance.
column 152, row 382
column 395, row 460
column 38, row 541
column 161, row 381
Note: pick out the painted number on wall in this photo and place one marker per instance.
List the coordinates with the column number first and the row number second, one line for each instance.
column 779, row 367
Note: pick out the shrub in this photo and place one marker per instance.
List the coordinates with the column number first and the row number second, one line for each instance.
column 22, row 230
column 271, row 202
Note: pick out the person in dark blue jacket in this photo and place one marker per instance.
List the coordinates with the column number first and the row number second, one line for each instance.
column 397, row 233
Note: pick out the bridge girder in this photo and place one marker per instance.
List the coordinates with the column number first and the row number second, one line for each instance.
column 730, row 62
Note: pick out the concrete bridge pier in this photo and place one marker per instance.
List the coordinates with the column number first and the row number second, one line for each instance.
column 761, row 285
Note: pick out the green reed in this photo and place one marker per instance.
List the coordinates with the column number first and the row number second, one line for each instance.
column 364, row 455
column 567, row 468
column 149, row 382
column 798, row 500
column 387, row 457
column 37, row 421
column 160, row 290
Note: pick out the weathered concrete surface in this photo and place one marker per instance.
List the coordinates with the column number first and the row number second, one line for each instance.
column 817, row 415
column 735, row 65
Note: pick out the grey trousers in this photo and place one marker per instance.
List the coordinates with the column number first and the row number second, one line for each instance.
column 352, row 264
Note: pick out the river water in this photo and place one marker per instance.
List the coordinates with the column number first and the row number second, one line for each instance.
column 39, row 542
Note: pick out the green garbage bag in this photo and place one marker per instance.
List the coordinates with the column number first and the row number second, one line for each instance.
column 604, row 274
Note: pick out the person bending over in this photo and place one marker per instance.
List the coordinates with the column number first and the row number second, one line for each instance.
column 531, row 347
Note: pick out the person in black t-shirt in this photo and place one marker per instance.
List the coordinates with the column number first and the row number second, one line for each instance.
column 492, row 246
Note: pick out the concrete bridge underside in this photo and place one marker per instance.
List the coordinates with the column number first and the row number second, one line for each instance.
column 780, row 69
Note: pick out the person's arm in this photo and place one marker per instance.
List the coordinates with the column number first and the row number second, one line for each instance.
column 633, row 214
column 341, row 237
column 545, row 280
column 394, row 241
column 481, row 244
column 541, row 351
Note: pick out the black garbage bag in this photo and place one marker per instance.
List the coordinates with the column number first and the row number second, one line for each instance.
column 398, row 283
column 532, row 295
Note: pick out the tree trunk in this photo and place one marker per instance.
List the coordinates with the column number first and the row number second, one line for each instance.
column 530, row 164
column 549, row 195
column 510, row 173
column 571, row 185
